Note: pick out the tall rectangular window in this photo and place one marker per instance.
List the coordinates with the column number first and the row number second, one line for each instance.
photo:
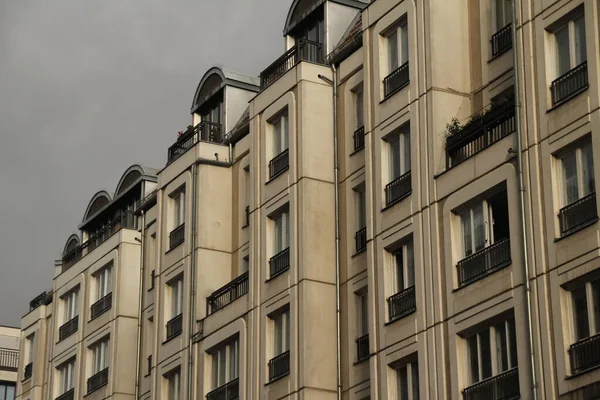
column 281, row 331
column 362, row 312
column 397, row 43
column 399, row 154
column 103, row 282
column 502, row 14
column 358, row 95
column 570, row 44
column 7, row 391
column 70, row 305
column 178, row 202
column 403, row 271
column 361, row 207
column 407, row 381
column 174, row 385
column 100, row 356
column 281, row 231
column 176, row 297
column 225, row 363
column 66, row 374
column 245, row 264
column 280, row 134
column 578, row 172
column 585, row 301
column 29, row 348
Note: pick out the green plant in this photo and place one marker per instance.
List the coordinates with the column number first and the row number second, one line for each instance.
column 453, row 127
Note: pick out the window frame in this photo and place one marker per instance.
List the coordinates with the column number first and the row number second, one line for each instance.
column 228, row 353
column 103, row 282
column 175, row 295
column 592, row 294
column 401, row 272
column 582, row 168
column 406, row 375
column 100, row 355
column 178, row 201
column 362, row 312
column 398, row 164
column 70, row 305
column 397, row 45
column 280, row 329
column 66, row 375
column 569, row 24
column 173, row 379
column 280, row 229
column 280, row 133
column 498, row 21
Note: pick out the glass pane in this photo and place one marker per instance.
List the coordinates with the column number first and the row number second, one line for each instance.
column 414, row 380
column 465, row 219
column 393, row 51
column 215, row 370
column 587, row 163
column 501, row 348
column 402, row 376
column 563, row 57
column 503, row 13
column 278, row 331
column 512, row 338
column 580, row 311
column 361, row 209
column 569, row 162
column 285, row 132
column 410, row 266
column 394, row 144
column 286, row 316
column 486, row 356
column 478, row 227
column 359, row 109
column 405, row 152
column 3, row 392
column 579, row 41
column 404, row 37
column 10, row 393
column 473, row 358
column 222, row 366
column 399, row 271
column 364, row 313
column 234, row 362
column 596, row 305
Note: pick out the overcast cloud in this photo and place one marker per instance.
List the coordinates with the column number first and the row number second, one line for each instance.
column 89, row 87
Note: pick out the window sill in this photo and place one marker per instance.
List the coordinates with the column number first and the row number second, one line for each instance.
column 277, row 378
column 401, row 316
column 175, row 245
column 398, row 200
column 272, row 178
column 95, row 390
column 277, row 274
column 99, row 314
column 585, row 371
column 567, row 99
column 385, row 98
column 482, row 276
column 495, row 57
column 167, row 340
column 66, row 337
column 579, row 228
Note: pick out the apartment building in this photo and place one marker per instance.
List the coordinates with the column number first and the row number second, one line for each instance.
column 392, row 210
column 9, row 361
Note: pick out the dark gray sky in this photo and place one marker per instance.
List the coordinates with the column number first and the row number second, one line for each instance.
column 88, row 88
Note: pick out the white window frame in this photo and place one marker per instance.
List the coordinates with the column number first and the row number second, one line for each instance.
column 362, row 312
column 399, row 157
column 397, row 47
column 174, row 384
column 281, row 331
column 281, row 231
column 591, row 289
column 70, row 305
column 178, row 208
column 176, row 289
column 29, row 348
column 569, row 28
column 66, row 376
column 402, row 267
column 407, row 376
column 502, row 14
column 100, row 355
column 281, row 132
column 225, row 363
column 103, row 281
column 584, row 167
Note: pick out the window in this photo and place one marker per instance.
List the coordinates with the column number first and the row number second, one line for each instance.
column 402, row 300
column 585, row 306
column 492, row 351
column 7, row 391
column 70, row 305
column 176, row 297
column 248, row 197
column 178, row 202
column 66, row 374
column 281, row 231
column 29, row 349
column 103, row 283
column 174, row 385
column 225, row 363
column 570, row 45
column 280, row 135
column 361, row 207
column 502, row 14
column 397, row 43
column 358, row 98
column 100, row 354
column 407, row 381
column 245, row 264
column 151, row 259
column 578, row 173
column 281, row 331
column 363, row 312
column 399, row 153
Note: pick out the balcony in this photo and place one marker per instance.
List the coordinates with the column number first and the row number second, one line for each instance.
column 124, row 220
column 177, row 236
column 578, row 215
column 585, row 354
column 569, row 84
column 279, row 263
column 101, row 305
column 68, row 328
column 98, row 380
column 398, row 189
column 279, row 164
column 402, row 304
column 174, row 327
column 361, row 240
column 68, row 395
column 362, row 348
column 228, row 391
column 205, row 131
column 502, row 40
column 480, row 132
column 504, row 386
column 305, row 50
column 9, row 360
column 28, row 371
column 279, row 366
column 41, row 300
column 359, row 138
column 484, row 262
column 396, row 80
column 228, row 293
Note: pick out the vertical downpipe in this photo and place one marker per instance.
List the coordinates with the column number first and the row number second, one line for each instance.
column 140, row 308
column 522, row 195
column 192, row 283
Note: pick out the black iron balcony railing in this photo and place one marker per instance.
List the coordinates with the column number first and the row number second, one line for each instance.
column 174, row 327
column 359, row 138
column 305, row 50
column 68, row 395
column 502, row 40
column 362, row 348
column 279, row 263
column 578, row 214
column 68, row 328
column 484, row 262
column 480, row 133
column 279, row 366
column 280, row 163
column 585, row 354
column 228, row 293
column 361, row 240
column 97, row 380
column 396, row 80
column 149, row 365
column 9, row 360
column 43, row 299
column 504, row 386
column 177, row 236
column 397, row 189
column 228, row 391
column 28, row 371
column 205, row 131
column 569, row 84
column 101, row 305
column 402, row 303
column 126, row 219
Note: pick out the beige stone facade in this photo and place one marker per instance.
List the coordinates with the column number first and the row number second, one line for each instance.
column 227, row 285
column 9, row 361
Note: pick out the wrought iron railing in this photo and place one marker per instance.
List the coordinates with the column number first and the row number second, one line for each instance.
column 396, row 80
column 280, row 262
column 359, row 138
column 228, row 391
column 502, row 40
column 398, row 189
column 228, row 293
column 205, row 131
column 97, row 380
column 485, row 261
column 28, row 371
column 279, row 163
column 279, row 366
column 42, row 299
column 361, row 240
column 9, row 360
column 504, row 386
column 68, row 395
column 174, row 327
column 305, row 50
column 402, row 303
column 362, row 348
column 569, row 84
column 480, row 133
column 68, row 328
column 578, row 214
column 101, row 305
column 585, row 354
column 177, row 236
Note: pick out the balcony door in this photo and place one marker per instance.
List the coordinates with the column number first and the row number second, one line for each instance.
column 310, row 35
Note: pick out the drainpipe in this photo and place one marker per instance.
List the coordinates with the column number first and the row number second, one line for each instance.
column 192, row 282
column 140, row 309
column 522, row 195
